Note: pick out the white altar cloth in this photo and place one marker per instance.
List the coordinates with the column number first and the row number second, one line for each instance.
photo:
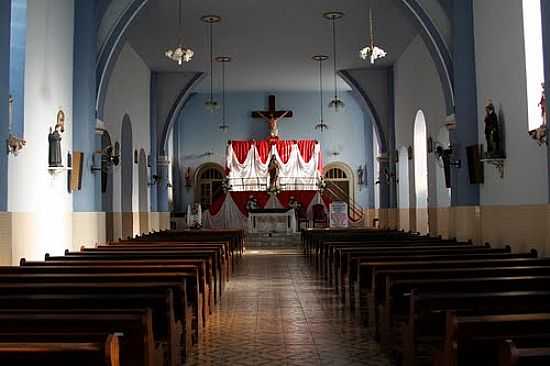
column 272, row 221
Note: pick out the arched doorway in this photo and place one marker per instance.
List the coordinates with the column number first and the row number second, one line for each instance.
column 126, row 177
column 143, row 193
column 403, row 192
column 209, row 184
column 340, row 182
column 421, row 172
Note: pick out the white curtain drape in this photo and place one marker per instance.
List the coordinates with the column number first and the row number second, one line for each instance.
column 253, row 175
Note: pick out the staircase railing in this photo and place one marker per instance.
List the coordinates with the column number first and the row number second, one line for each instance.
column 355, row 211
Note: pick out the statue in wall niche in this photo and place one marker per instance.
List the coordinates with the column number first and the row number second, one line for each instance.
column 492, row 134
column 55, row 159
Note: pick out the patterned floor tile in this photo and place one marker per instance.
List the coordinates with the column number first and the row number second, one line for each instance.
column 277, row 311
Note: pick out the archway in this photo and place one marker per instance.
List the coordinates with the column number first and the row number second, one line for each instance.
column 143, row 193
column 126, row 177
column 421, row 172
column 209, row 184
column 341, row 182
column 404, row 190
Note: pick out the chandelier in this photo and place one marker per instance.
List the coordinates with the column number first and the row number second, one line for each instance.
column 179, row 54
column 372, row 52
column 211, row 104
column 333, row 16
column 223, row 60
column 321, row 126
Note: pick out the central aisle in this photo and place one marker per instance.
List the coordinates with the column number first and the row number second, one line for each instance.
column 276, row 312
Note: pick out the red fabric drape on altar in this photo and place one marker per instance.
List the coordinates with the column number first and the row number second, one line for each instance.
column 241, row 149
column 264, row 149
column 241, row 199
column 306, row 148
column 284, row 147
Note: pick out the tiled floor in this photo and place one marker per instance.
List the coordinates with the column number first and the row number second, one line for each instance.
column 276, row 312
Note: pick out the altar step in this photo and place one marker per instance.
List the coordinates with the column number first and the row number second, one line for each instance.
column 272, row 240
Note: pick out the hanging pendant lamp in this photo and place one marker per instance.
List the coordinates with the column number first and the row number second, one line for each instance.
column 321, row 126
column 333, row 16
column 372, row 52
column 179, row 54
column 211, row 104
column 223, row 60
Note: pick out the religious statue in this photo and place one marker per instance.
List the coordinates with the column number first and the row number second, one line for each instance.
column 492, row 134
column 360, row 173
column 542, row 105
column 273, row 116
column 273, row 171
column 272, row 122
column 445, row 155
column 251, row 204
column 55, row 159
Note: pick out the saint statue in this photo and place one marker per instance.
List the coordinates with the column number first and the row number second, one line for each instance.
column 272, row 122
column 542, row 105
column 251, row 204
column 55, row 159
column 492, row 134
column 273, row 171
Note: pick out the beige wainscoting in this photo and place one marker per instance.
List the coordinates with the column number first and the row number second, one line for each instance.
column 89, row 229
column 5, row 239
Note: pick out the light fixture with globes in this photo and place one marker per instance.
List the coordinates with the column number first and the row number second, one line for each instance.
column 180, row 54
column 333, row 16
column 211, row 104
column 321, row 126
column 223, row 60
column 372, row 52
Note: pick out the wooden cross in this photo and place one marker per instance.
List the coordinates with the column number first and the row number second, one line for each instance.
column 272, row 115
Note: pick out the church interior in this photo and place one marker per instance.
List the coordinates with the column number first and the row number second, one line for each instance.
column 351, row 182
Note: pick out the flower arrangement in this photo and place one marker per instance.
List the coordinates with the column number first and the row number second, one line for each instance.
column 274, row 191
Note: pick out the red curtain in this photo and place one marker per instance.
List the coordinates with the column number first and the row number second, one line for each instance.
column 284, row 147
column 264, row 149
column 217, row 204
column 241, row 199
column 306, row 148
column 304, row 197
column 241, row 149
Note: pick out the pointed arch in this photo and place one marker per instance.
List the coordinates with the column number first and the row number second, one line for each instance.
column 421, row 172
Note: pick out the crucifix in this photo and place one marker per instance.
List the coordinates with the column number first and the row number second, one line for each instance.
column 272, row 116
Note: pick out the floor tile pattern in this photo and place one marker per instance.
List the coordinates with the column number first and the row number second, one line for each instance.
column 276, row 311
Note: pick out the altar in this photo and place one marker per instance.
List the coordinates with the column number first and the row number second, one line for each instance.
column 272, row 220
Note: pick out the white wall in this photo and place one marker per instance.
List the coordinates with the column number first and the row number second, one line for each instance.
column 501, row 77
column 37, row 199
column 417, row 87
column 128, row 93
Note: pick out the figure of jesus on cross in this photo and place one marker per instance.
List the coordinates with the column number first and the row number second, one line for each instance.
column 272, row 116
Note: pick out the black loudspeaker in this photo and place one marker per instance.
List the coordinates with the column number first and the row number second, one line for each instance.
column 475, row 166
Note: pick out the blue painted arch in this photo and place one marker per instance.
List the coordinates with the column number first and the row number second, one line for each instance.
column 110, row 50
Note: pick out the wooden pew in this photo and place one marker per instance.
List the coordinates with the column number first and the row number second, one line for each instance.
column 173, row 322
column 511, row 355
column 475, row 339
column 346, row 272
column 193, row 282
column 210, row 258
column 205, row 275
column 136, row 344
column 400, row 306
column 171, row 335
column 44, row 350
column 367, row 267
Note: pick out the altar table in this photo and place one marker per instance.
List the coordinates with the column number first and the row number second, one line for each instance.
column 272, row 220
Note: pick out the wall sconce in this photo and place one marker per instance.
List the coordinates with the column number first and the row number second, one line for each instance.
column 14, row 144
column 109, row 156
